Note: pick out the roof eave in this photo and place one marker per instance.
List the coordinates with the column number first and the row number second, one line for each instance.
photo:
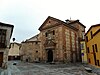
column 8, row 25
column 91, row 27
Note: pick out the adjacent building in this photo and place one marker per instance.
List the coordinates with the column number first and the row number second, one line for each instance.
column 30, row 50
column 5, row 35
column 59, row 41
column 13, row 53
column 93, row 45
column 83, row 51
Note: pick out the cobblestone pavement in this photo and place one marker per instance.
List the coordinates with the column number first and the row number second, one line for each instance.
column 1, row 70
column 22, row 68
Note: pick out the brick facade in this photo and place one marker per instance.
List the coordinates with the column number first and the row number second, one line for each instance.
column 60, row 41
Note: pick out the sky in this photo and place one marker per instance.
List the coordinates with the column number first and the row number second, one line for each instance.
column 28, row 15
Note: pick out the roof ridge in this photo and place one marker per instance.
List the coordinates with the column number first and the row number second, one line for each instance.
column 32, row 37
column 59, row 22
column 91, row 27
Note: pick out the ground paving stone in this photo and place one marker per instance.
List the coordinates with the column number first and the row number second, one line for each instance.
column 22, row 68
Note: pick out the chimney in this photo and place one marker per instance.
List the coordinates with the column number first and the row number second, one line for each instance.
column 67, row 21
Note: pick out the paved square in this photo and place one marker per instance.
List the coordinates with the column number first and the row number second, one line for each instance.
column 22, row 68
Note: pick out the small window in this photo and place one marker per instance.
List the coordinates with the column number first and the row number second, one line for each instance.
column 36, row 42
column 86, row 38
column 93, row 48
column 49, row 21
column 36, row 51
column 46, row 34
column 96, row 48
column 91, row 35
column 53, row 32
column 88, row 50
column 2, row 38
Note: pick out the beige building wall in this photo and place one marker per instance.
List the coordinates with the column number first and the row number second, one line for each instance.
column 14, row 49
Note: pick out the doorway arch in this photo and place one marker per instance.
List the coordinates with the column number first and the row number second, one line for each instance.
column 50, row 56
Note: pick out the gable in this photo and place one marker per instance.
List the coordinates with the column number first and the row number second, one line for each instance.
column 93, row 28
column 48, row 23
column 51, row 22
column 34, row 38
column 98, row 31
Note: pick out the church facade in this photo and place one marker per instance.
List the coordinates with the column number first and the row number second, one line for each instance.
column 60, row 41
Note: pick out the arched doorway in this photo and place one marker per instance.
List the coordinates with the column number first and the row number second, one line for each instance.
column 50, row 56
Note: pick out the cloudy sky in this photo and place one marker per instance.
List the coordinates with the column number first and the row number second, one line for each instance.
column 28, row 15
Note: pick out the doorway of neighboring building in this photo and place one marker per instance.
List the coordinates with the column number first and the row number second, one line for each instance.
column 13, row 58
column 50, row 55
column 1, row 58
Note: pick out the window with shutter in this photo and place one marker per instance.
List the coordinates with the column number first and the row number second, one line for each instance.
column 2, row 38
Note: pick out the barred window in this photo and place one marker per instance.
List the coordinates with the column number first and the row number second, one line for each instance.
column 2, row 38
